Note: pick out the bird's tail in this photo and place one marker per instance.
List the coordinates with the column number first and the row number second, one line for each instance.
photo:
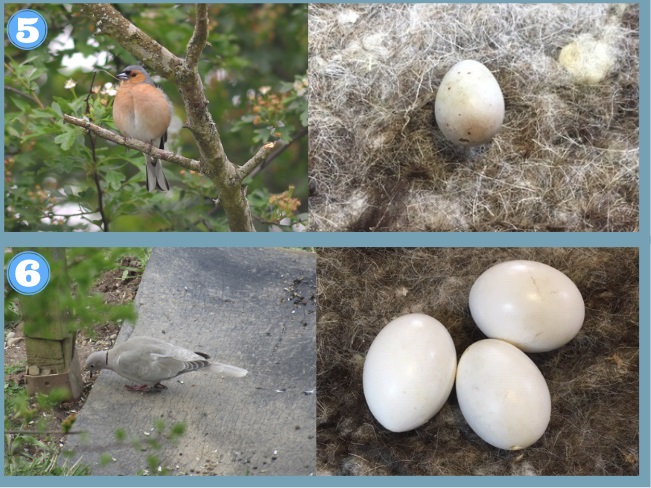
column 227, row 369
column 155, row 177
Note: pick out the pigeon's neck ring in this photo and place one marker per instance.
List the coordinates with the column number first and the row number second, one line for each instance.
column 107, row 358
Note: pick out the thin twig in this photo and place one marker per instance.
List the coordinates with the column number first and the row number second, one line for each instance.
column 278, row 151
column 199, row 36
column 244, row 170
column 34, row 97
column 16, row 91
column 143, row 147
column 96, row 178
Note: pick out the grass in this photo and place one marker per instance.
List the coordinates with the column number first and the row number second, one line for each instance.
column 27, row 454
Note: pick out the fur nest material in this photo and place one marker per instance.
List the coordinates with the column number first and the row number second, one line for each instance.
column 566, row 158
column 593, row 380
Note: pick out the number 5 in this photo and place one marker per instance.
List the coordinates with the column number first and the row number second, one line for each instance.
column 25, row 25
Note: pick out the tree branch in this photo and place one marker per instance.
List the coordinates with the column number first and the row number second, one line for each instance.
column 110, row 22
column 226, row 176
column 244, row 170
column 279, row 150
column 191, row 164
column 98, row 183
column 199, row 37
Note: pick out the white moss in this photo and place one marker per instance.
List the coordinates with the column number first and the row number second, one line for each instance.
column 374, row 70
column 588, row 59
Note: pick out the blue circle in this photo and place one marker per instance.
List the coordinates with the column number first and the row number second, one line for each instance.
column 27, row 29
column 28, row 273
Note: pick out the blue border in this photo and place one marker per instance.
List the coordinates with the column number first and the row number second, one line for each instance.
column 325, row 239
column 640, row 240
column 338, row 481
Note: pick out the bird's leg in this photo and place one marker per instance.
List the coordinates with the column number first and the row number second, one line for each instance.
column 137, row 387
column 160, row 386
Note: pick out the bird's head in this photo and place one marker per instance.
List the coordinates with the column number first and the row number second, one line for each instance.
column 133, row 74
column 97, row 361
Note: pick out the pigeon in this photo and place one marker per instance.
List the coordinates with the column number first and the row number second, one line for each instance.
column 147, row 361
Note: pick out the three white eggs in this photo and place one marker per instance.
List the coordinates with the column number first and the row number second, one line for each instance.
column 411, row 365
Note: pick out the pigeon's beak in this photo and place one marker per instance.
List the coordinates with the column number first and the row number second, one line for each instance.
column 91, row 373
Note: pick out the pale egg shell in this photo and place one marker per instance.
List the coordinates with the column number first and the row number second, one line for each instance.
column 469, row 106
column 502, row 394
column 409, row 371
column 529, row 304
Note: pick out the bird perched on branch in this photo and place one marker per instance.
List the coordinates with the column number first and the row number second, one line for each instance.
column 147, row 361
column 142, row 111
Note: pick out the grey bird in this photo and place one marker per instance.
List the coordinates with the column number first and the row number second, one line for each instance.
column 147, row 361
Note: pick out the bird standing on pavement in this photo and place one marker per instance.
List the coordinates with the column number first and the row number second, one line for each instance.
column 147, row 361
column 142, row 111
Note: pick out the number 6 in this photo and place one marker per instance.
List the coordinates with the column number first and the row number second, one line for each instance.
column 28, row 277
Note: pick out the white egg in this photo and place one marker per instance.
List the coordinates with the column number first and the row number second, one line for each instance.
column 409, row 371
column 469, row 106
column 529, row 304
column 502, row 394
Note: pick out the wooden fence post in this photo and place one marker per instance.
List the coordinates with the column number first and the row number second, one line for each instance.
column 52, row 360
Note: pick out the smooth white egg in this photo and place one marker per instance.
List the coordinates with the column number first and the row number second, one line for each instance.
column 529, row 304
column 409, row 371
column 502, row 394
column 469, row 105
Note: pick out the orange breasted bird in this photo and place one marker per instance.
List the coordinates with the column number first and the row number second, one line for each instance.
column 142, row 111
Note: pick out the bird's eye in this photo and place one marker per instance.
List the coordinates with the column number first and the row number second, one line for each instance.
column 132, row 74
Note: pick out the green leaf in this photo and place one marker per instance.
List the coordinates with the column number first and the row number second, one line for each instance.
column 67, row 138
column 114, row 179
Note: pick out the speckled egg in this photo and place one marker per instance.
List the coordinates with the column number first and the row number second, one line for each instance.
column 409, row 372
column 469, row 106
column 502, row 394
column 529, row 304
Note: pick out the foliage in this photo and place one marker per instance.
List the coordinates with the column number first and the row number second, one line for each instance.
column 254, row 74
column 73, row 273
column 279, row 210
column 72, row 277
column 27, row 454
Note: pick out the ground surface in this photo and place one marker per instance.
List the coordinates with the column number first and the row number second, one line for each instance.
column 593, row 380
column 566, row 158
column 248, row 307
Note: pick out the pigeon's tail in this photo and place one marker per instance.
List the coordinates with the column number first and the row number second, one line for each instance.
column 227, row 369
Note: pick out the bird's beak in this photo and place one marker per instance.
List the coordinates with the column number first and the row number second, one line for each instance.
column 122, row 76
column 91, row 374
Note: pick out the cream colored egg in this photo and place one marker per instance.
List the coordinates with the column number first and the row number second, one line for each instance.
column 529, row 304
column 469, row 106
column 409, row 372
column 502, row 394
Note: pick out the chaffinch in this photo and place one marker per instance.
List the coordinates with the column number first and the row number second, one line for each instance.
column 142, row 111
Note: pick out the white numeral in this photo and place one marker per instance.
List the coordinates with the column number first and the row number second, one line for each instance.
column 28, row 277
column 25, row 25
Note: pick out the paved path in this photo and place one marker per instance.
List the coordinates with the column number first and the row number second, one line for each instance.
column 253, row 308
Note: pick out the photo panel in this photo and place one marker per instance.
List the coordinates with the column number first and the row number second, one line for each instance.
column 163, row 361
column 474, row 117
column 478, row 362
column 146, row 117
